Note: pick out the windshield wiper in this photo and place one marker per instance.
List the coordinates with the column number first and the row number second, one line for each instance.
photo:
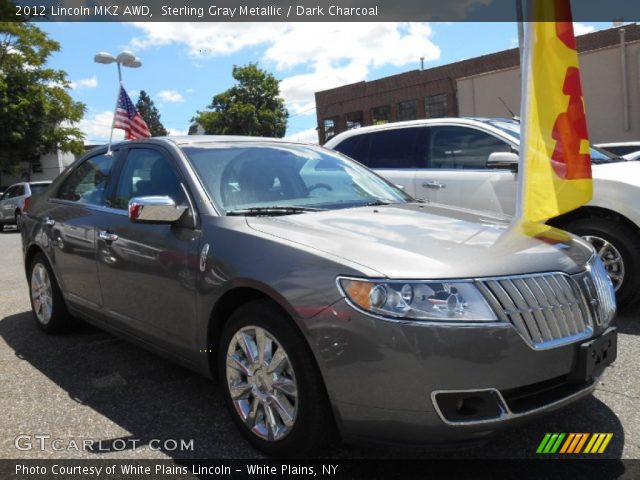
column 272, row 211
column 377, row 203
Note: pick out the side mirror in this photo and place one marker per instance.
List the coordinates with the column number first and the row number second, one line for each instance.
column 157, row 209
column 503, row 161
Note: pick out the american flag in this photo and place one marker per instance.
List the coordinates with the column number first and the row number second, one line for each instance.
column 128, row 119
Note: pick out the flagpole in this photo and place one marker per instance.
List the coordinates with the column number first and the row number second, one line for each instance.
column 113, row 121
column 520, row 20
column 524, row 73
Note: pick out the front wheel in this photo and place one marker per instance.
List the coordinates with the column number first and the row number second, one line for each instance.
column 616, row 245
column 271, row 383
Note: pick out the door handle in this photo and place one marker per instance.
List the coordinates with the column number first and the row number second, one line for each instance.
column 107, row 236
column 48, row 221
column 434, row 184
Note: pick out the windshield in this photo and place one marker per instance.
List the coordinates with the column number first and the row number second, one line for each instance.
column 512, row 128
column 295, row 178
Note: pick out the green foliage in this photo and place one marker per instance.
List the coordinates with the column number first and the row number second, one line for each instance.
column 253, row 106
column 37, row 115
column 150, row 115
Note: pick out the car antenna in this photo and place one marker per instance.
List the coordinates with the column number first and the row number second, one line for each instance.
column 513, row 115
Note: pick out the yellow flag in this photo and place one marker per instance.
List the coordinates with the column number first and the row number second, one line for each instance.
column 556, row 165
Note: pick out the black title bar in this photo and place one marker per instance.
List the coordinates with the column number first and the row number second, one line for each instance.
column 299, row 10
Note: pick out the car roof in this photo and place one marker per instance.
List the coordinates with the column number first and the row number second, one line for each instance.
column 417, row 123
column 41, row 182
column 196, row 139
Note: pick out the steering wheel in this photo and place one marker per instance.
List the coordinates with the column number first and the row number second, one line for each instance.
column 319, row 185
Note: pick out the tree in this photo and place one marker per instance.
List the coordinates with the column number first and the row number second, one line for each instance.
column 37, row 115
column 253, row 106
column 150, row 114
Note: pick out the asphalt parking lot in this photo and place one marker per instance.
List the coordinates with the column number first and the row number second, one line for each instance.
column 91, row 385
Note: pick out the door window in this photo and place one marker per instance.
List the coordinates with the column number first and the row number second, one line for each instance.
column 88, row 182
column 147, row 173
column 453, row 147
column 356, row 147
column 395, row 148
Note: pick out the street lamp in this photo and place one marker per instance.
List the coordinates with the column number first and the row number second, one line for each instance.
column 127, row 59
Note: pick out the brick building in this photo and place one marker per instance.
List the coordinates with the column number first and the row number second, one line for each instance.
column 435, row 92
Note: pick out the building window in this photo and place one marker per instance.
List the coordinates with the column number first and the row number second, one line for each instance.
column 330, row 127
column 408, row 110
column 354, row 120
column 435, row 106
column 380, row 115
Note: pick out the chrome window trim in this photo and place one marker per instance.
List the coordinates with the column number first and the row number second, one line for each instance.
column 90, row 206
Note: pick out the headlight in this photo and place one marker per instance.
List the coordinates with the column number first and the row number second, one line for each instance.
column 604, row 290
column 411, row 300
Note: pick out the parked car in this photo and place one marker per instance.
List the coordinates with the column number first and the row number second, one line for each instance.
column 15, row 199
column 620, row 149
column 472, row 163
column 319, row 294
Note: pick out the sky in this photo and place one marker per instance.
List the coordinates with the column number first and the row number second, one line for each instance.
column 185, row 64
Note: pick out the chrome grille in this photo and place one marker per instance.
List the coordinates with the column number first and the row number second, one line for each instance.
column 546, row 309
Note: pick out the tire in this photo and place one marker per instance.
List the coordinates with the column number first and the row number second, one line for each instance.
column 311, row 422
column 18, row 220
column 624, row 241
column 47, row 303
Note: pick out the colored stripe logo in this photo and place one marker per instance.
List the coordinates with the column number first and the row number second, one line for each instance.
column 563, row 443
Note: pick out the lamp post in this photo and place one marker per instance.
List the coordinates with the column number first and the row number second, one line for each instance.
column 127, row 59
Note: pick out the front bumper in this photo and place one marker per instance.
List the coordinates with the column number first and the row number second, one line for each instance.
column 397, row 382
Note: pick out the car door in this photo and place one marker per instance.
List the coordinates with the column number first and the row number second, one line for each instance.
column 457, row 172
column 148, row 271
column 71, row 222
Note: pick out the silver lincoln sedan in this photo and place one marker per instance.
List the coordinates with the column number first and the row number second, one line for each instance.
column 323, row 298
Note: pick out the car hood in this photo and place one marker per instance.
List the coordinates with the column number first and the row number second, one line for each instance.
column 626, row 172
column 427, row 241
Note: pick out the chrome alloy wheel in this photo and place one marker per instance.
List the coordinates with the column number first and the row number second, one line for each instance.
column 262, row 383
column 41, row 293
column 611, row 257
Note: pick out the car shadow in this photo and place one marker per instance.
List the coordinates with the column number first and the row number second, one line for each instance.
column 152, row 398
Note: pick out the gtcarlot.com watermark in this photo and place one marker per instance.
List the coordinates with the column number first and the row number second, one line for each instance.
column 43, row 442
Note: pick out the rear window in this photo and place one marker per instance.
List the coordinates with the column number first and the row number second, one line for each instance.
column 37, row 188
